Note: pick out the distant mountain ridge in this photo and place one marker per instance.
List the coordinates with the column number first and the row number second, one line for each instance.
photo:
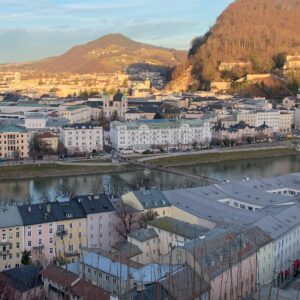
column 108, row 54
column 255, row 32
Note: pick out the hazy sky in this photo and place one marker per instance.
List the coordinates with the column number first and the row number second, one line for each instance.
column 34, row 29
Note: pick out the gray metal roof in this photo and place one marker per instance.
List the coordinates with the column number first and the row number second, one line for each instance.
column 10, row 217
column 152, row 198
column 191, row 201
column 184, row 229
column 143, row 234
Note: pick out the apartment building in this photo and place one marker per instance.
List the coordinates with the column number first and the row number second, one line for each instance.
column 76, row 113
column 11, row 238
column 82, row 138
column 70, row 230
column 39, row 231
column 159, row 134
column 14, row 142
column 100, row 221
column 260, row 117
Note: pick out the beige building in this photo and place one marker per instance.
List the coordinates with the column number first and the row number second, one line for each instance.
column 14, row 142
column 77, row 113
column 11, row 238
column 285, row 121
column 48, row 141
column 70, row 235
column 146, row 239
column 151, row 199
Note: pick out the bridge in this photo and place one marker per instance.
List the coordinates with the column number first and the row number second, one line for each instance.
column 156, row 167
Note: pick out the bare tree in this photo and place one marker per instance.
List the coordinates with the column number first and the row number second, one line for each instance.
column 127, row 220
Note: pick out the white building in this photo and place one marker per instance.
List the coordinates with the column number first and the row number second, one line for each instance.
column 35, row 121
column 82, row 138
column 77, row 113
column 259, row 117
column 167, row 134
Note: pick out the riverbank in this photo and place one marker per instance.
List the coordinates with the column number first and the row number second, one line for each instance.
column 57, row 170
column 69, row 168
column 224, row 155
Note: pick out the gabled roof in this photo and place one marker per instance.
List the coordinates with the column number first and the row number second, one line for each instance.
column 67, row 210
column 152, row 198
column 95, row 204
column 88, row 291
column 23, row 278
column 60, row 276
column 10, row 217
column 35, row 214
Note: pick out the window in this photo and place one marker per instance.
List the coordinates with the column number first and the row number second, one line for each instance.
column 107, row 277
column 29, row 233
column 51, row 250
column 17, row 245
column 40, row 241
column 17, row 234
column 50, row 230
column 29, row 243
column 40, row 232
column 51, row 240
column 70, row 248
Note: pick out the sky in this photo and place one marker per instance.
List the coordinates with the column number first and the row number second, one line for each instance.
column 35, row 29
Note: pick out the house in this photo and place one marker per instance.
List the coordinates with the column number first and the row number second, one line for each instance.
column 60, row 283
column 173, row 232
column 146, row 239
column 22, row 283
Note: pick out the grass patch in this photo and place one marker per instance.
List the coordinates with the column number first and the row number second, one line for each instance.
column 51, row 170
column 184, row 160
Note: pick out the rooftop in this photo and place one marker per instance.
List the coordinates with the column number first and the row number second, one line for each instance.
column 152, row 198
column 184, row 229
column 143, row 234
column 12, row 128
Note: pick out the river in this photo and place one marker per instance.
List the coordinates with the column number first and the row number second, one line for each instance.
column 43, row 188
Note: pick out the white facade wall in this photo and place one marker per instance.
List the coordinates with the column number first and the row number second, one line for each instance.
column 83, row 138
column 100, row 230
column 264, row 265
column 35, row 123
column 81, row 114
column 258, row 118
column 143, row 136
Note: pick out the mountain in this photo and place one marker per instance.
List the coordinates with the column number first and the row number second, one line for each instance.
column 254, row 34
column 109, row 54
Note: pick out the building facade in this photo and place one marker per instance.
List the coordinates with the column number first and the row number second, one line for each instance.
column 82, row 138
column 14, row 142
column 159, row 134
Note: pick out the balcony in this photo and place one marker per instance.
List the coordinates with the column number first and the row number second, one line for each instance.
column 4, row 252
column 61, row 232
column 5, row 242
column 72, row 253
column 39, row 247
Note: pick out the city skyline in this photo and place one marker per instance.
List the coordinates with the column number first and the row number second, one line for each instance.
column 31, row 31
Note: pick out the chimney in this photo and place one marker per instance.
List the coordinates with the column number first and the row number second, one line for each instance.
column 48, row 208
column 29, row 208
